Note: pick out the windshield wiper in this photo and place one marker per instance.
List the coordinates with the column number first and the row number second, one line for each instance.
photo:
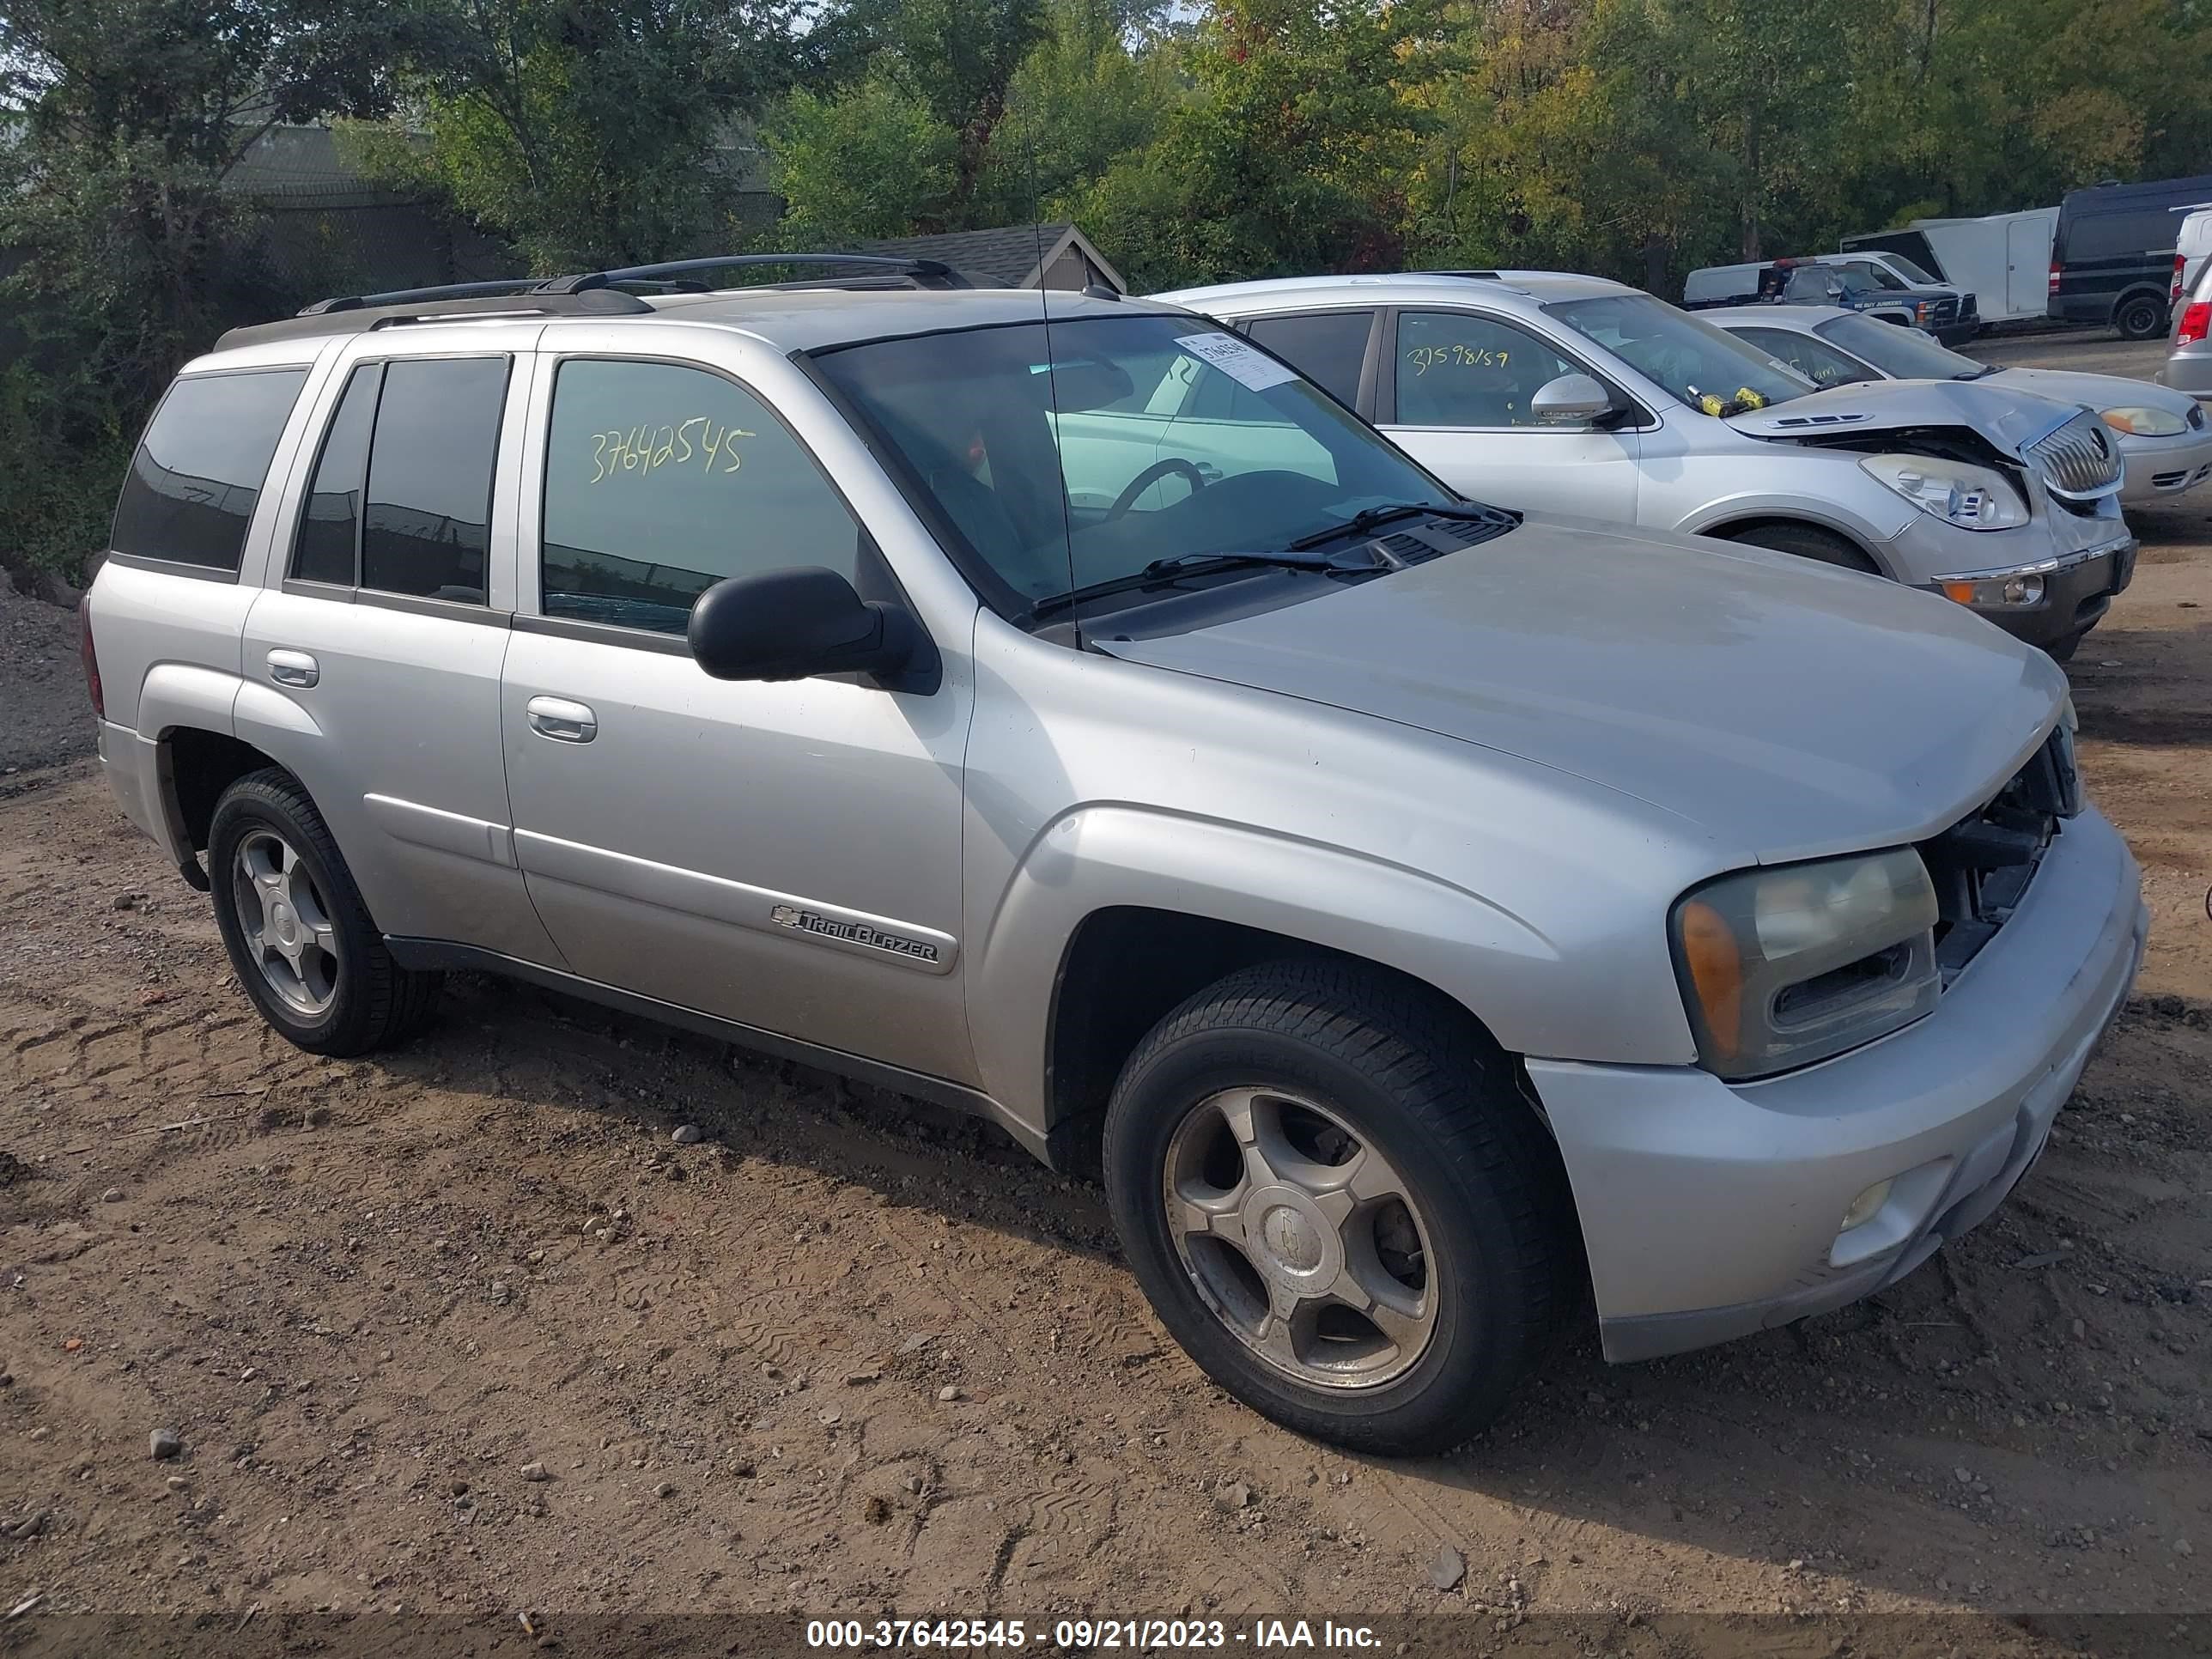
column 1980, row 371
column 1368, row 517
column 1159, row 572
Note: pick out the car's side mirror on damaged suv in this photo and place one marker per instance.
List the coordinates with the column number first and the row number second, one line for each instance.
column 795, row 624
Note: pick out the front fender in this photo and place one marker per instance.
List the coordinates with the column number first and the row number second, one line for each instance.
column 1867, row 530
column 1499, row 965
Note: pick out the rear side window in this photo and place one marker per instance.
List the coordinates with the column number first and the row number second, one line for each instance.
column 1328, row 347
column 661, row 481
column 2124, row 234
column 426, row 526
column 202, row 465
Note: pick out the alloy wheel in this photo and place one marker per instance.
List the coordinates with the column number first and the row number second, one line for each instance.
column 1302, row 1238
column 286, row 922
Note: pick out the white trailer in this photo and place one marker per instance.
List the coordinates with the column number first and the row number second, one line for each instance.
column 2003, row 259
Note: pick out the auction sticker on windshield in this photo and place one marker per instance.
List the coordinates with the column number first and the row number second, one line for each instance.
column 1230, row 355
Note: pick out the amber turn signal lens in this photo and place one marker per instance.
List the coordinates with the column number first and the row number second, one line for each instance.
column 1716, row 969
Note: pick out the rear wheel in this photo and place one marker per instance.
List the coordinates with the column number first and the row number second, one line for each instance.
column 1807, row 542
column 2140, row 316
column 1337, row 1204
column 293, row 922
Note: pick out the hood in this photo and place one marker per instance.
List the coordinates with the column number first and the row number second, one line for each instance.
column 1787, row 709
column 2008, row 416
column 2070, row 386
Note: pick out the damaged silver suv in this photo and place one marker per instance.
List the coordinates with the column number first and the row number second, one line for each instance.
column 1558, row 393
column 1060, row 709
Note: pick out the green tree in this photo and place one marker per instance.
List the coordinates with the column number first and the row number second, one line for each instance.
column 1292, row 157
column 872, row 159
column 588, row 132
column 1081, row 100
column 124, row 119
column 958, row 55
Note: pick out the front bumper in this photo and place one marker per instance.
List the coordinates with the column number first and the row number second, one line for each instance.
column 2159, row 469
column 1711, row 1210
column 2078, row 588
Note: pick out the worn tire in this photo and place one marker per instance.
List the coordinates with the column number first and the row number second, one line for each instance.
column 375, row 1002
column 1412, row 1075
column 2141, row 317
column 1807, row 542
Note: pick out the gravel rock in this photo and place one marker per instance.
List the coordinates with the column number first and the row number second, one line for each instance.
column 688, row 1135
column 666, row 1489
column 113, row 1195
column 1448, row 1569
column 166, row 1442
column 948, row 1393
column 535, row 1472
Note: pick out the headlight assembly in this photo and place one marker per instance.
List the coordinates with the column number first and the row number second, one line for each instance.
column 2140, row 422
column 1783, row 967
column 1957, row 492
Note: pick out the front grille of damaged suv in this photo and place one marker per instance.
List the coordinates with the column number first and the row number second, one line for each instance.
column 1982, row 865
column 2079, row 463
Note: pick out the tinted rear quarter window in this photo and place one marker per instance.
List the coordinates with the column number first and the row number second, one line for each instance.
column 427, row 526
column 1328, row 348
column 202, row 465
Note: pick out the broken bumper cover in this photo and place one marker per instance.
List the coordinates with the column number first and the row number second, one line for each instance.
column 1711, row 1210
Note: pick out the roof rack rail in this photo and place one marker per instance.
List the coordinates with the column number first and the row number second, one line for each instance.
column 923, row 273
column 400, row 296
column 370, row 312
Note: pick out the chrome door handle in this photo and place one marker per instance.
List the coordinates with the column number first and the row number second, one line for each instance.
column 293, row 668
column 562, row 720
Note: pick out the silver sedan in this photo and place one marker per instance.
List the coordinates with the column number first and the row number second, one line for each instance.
column 2164, row 435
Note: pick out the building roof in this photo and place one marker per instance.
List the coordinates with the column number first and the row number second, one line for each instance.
column 1014, row 256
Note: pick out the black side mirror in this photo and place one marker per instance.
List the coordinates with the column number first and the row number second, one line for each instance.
column 792, row 625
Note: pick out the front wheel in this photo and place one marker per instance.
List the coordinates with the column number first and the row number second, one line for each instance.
column 1807, row 541
column 1335, row 1201
column 298, row 935
column 2141, row 317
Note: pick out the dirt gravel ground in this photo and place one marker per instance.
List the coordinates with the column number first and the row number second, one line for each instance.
column 459, row 1331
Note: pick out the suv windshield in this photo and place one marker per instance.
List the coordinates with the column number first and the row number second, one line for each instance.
column 1707, row 368
column 1905, row 353
column 1082, row 456
column 1912, row 272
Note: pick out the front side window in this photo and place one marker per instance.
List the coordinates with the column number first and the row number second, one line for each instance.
column 662, row 480
column 201, row 467
column 1864, row 275
column 1457, row 369
column 426, row 525
column 1818, row 362
column 1328, row 347
column 1707, row 368
column 1082, row 452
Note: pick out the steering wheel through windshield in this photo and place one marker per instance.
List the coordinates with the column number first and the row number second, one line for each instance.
column 1150, row 475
